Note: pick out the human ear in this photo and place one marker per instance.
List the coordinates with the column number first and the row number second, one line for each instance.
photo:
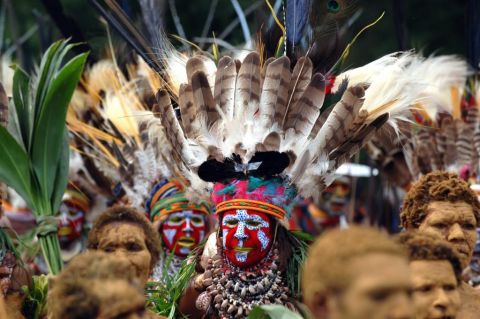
column 319, row 306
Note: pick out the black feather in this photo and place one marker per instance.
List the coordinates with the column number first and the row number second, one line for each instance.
column 297, row 12
column 272, row 164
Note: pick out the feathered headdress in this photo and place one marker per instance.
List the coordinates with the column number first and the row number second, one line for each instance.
column 258, row 132
column 435, row 134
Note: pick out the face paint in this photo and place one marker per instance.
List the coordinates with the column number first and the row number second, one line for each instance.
column 247, row 237
column 435, row 293
column 456, row 223
column 335, row 198
column 183, row 231
column 71, row 222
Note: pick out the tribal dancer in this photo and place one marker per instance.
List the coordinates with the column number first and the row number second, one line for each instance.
column 254, row 129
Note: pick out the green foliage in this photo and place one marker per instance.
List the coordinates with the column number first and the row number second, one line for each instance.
column 272, row 311
column 34, row 149
column 34, row 306
column 164, row 296
column 299, row 242
column 6, row 244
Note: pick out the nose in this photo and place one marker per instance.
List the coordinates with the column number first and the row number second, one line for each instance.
column 455, row 233
column 441, row 300
column 240, row 233
column 188, row 225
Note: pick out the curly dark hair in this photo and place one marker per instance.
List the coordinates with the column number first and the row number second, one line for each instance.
column 125, row 214
column 422, row 246
column 436, row 186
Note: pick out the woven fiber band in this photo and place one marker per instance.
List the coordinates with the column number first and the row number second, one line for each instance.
column 254, row 205
column 173, row 204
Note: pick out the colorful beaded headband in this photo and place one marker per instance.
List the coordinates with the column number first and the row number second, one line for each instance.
column 173, row 204
column 254, row 205
column 78, row 199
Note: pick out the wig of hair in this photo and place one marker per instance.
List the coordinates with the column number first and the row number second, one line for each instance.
column 436, row 186
column 124, row 214
column 422, row 246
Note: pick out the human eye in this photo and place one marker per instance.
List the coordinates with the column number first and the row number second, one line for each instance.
column 468, row 226
column 379, row 295
column 253, row 223
column 449, row 287
column 424, row 288
column 108, row 249
column 197, row 220
column 231, row 222
column 176, row 219
column 133, row 246
column 439, row 225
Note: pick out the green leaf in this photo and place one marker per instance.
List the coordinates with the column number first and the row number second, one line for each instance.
column 15, row 166
column 21, row 101
column 50, row 127
column 45, row 76
column 61, row 178
column 273, row 311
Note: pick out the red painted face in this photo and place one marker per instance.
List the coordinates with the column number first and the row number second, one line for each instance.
column 71, row 222
column 247, row 237
column 183, row 231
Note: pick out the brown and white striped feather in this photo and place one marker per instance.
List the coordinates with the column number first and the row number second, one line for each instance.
column 464, row 143
column 320, row 122
column 204, row 64
column 426, row 151
column 301, row 77
column 224, row 92
column 173, row 131
column 263, row 71
column 272, row 142
column 340, row 121
column 353, row 145
column 187, row 110
column 303, row 115
column 273, row 101
column 247, row 90
column 450, row 154
column 203, row 98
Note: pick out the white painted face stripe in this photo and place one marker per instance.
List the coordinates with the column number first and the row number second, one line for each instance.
column 241, row 257
column 170, row 234
column 224, row 238
column 185, row 250
column 243, row 218
column 262, row 237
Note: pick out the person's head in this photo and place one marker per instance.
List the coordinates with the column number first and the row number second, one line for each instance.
column 75, row 205
column 96, row 285
column 443, row 204
column 436, row 275
column 249, row 211
column 182, row 224
column 357, row 273
column 247, row 236
column 123, row 231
